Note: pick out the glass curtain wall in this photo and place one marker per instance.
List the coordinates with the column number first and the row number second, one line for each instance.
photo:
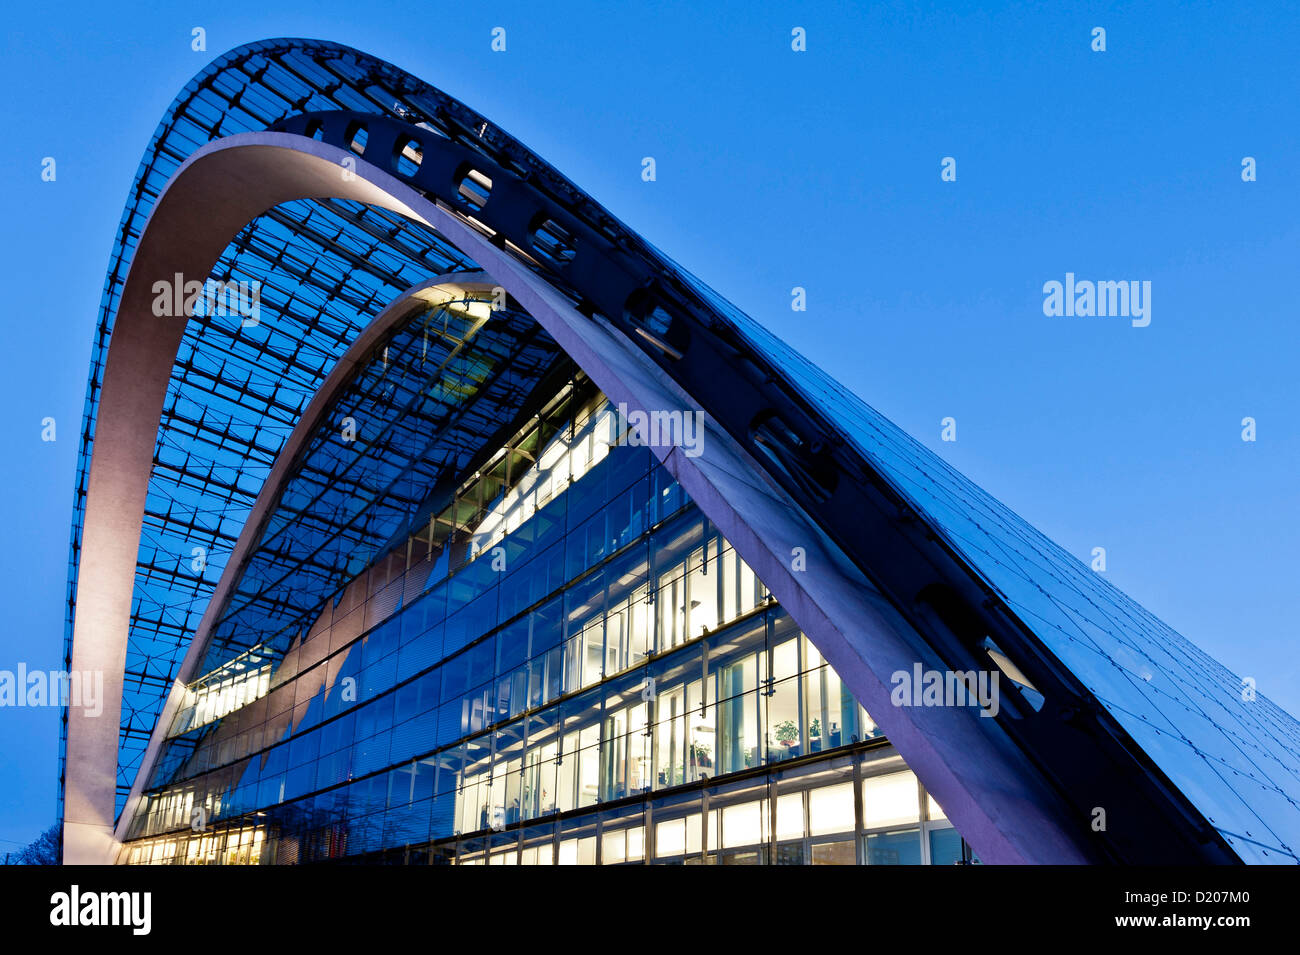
column 603, row 681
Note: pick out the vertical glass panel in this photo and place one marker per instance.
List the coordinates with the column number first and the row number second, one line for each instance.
column 578, row 851
column 889, row 800
column 548, row 676
column 640, row 629
column 539, row 778
column 785, row 658
column 742, row 825
column 784, row 737
column 694, row 835
column 539, row 846
column 639, row 750
column 789, row 816
column 669, row 605
column 894, row 848
column 812, row 657
column 834, row 853
column 616, row 640
column 613, row 847
column 728, row 585
column 830, row 809
column 670, row 707
column 701, row 742
column 737, row 731
column 588, row 791
column 790, row 853
column 614, row 764
column 826, row 710
column 593, row 663
column 513, row 796
column 670, row 838
column 573, row 651
column 700, row 601
column 945, row 847
column 566, row 786
column 636, row 844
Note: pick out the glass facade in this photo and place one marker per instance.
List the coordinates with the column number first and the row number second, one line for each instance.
column 591, row 548
column 1240, row 765
column 601, row 679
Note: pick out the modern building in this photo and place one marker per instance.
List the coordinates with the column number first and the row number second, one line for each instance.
column 427, row 514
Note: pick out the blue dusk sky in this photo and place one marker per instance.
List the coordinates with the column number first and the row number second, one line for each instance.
column 775, row 169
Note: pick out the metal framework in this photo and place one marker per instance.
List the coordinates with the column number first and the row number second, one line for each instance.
column 422, row 392
column 1124, row 713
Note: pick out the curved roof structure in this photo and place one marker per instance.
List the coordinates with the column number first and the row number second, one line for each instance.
column 341, row 184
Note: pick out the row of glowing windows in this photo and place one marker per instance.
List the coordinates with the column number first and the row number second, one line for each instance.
column 802, row 709
column 889, row 801
column 609, row 642
column 230, row 847
column 563, row 462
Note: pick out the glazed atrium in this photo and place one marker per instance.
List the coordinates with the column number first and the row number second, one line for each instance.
column 477, row 531
column 585, row 672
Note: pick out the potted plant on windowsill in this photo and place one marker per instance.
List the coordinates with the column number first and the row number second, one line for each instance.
column 702, row 755
column 787, row 733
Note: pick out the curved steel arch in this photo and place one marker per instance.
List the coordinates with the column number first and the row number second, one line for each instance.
column 199, row 495
column 988, row 788
column 781, row 454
